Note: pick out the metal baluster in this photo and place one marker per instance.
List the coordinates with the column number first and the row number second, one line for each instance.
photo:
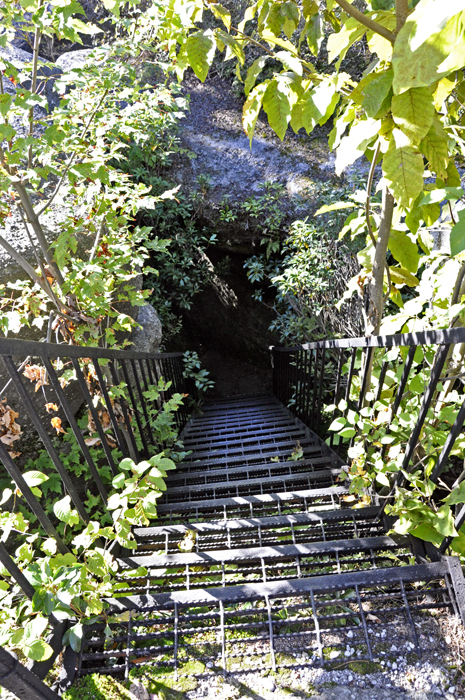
column 124, row 408
column 94, row 414
column 75, row 428
column 44, row 436
column 135, row 408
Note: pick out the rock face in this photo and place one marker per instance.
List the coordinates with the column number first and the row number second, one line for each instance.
column 212, row 131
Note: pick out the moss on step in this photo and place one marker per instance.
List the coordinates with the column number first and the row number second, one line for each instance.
column 163, row 682
column 95, row 687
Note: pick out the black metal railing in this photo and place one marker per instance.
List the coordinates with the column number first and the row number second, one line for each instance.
column 47, row 387
column 353, row 373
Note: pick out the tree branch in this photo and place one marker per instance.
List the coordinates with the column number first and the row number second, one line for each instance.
column 366, row 21
column 375, row 288
column 22, row 262
column 45, row 284
column 38, row 230
column 371, row 175
column 401, row 14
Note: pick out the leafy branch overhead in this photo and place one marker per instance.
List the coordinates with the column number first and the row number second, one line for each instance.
column 405, row 112
column 68, row 160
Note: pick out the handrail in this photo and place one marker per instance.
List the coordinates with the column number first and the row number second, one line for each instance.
column 16, row 347
column 309, row 376
column 449, row 336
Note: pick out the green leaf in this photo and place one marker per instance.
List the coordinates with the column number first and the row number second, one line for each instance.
column 75, row 637
column 431, row 213
column 221, row 13
column 427, row 532
column 435, row 148
column 6, row 132
column 5, row 103
column 337, row 424
column 309, row 8
column 439, row 195
column 314, row 33
column 457, row 235
column 200, row 48
column 347, row 432
column 38, row 650
column 404, row 250
column 112, row 6
column 444, row 522
column 457, row 495
column 127, row 464
column 400, row 275
column 62, row 509
column 382, row 479
column 118, row 481
column 35, row 628
column 413, row 111
column 324, row 99
column 335, row 207
column 340, row 42
column 439, row 53
column 252, row 107
column 49, row 546
column 34, row 478
column 64, row 512
column 277, row 105
column 289, row 61
column 273, row 40
column 234, row 47
column 253, row 72
column 354, row 145
column 377, row 92
column 403, row 169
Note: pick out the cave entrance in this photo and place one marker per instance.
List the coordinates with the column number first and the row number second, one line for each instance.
column 229, row 329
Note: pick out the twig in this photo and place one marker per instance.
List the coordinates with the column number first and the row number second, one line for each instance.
column 451, row 214
column 97, row 239
column 366, row 21
column 37, row 36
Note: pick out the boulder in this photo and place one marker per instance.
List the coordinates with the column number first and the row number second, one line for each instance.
column 73, row 59
column 46, row 74
column 147, row 336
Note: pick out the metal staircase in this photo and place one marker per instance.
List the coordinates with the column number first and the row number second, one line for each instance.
column 281, row 561
column 260, row 557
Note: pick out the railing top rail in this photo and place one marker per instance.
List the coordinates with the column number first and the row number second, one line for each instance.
column 442, row 337
column 15, row 347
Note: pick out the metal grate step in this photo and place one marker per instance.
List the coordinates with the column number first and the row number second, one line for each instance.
column 301, row 527
column 277, row 563
column 268, row 625
column 248, row 472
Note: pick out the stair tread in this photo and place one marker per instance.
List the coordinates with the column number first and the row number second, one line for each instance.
column 256, row 498
column 266, row 521
column 284, row 588
column 270, row 466
column 275, row 552
column 237, row 483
